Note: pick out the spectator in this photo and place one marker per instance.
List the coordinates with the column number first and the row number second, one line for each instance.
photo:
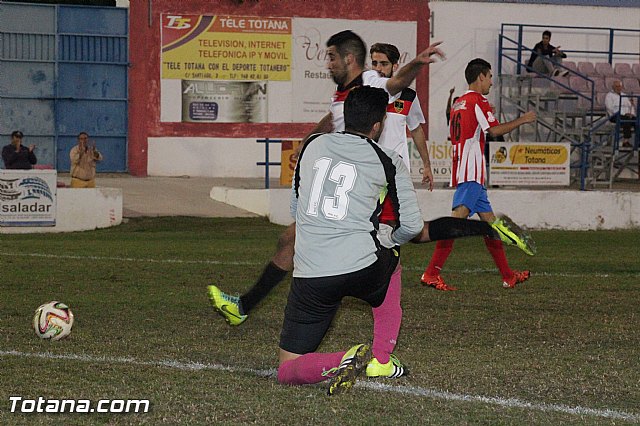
column 17, row 156
column 619, row 105
column 545, row 56
column 84, row 157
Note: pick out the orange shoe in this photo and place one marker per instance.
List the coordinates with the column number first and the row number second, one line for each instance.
column 436, row 282
column 517, row 278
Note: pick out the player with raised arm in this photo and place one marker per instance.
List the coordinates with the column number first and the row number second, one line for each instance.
column 341, row 249
column 346, row 54
column 403, row 113
column 471, row 117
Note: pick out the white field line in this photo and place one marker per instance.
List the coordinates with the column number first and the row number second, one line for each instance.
column 129, row 259
column 247, row 263
column 376, row 386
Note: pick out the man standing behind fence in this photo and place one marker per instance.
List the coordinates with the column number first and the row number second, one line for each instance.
column 84, row 157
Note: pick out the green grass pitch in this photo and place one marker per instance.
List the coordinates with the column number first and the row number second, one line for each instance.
column 562, row 348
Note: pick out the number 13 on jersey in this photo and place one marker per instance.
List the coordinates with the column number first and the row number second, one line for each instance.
column 343, row 175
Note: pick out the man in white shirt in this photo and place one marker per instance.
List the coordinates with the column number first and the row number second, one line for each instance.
column 620, row 106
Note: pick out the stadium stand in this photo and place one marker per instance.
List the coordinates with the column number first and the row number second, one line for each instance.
column 587, row 68
column 600, row 85
column 631, row 85
column 604, row 69
column 570, row 65
column 572, row 108
column 622, row 69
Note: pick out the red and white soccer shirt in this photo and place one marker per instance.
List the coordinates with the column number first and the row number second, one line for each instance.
column 404, row 112
column 367, row 78
column 471, row 116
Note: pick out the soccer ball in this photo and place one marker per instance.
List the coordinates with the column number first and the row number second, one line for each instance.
column 53, row 320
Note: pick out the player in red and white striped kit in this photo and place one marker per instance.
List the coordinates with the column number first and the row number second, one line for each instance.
column 471, row 117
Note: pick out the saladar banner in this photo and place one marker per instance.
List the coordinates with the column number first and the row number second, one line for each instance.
column 28, row 197
column 529, row 164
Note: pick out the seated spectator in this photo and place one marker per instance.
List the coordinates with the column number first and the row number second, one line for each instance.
column 17, row 156
column 545, row 57
column 84, row 157
column 618, row 105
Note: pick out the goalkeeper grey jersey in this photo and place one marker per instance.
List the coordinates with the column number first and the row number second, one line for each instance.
column 338, row 186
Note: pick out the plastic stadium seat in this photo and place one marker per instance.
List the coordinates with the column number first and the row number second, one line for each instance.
column 587, row 68
column 600, row 85
column 623, row 70
column 631, row 85
column 570, row 65
column 539, row 84
column 560, row 89
column 636, row 70
column 604, row 69
column 579, row 84
column 599, row 103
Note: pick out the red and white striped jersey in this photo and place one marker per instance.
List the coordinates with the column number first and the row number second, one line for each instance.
column 471, row 116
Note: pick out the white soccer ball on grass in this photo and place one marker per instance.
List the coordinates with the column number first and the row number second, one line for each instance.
column 53, row 320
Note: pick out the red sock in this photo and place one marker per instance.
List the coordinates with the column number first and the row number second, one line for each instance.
column 440, row 255
column 308, row 368
column 496, row 249
column 386, row 320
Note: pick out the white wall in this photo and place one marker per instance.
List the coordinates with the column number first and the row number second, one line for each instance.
column 471, row 29
column 210, row 157
column 535, row 209
column 80, row 210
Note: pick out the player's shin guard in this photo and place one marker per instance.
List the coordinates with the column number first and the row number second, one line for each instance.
column 449, row 228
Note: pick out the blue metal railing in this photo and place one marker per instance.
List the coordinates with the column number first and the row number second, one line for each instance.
column 612, row 35
column 508, row 45
column 636, row 121
column 267, row 163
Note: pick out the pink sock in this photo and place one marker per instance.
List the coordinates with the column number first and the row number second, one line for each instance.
column 308, row 368
column 386, row 320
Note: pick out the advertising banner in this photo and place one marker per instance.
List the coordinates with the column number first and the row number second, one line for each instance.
column 312, row 83
column 222, row 47
column 248, row 69
column 288, row 160
column 224, row 101
column 529, row 164
column 28, row 197
column 440, row 155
